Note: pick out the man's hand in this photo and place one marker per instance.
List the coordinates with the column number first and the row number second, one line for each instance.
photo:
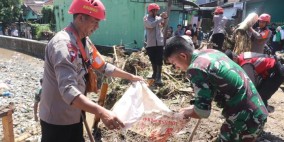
column 145, row 18
column 250, row 29
column 137, row 78
column 186, row 112
column 164, row 15
column 110, row 120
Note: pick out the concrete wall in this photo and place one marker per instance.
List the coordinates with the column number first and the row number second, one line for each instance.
column 37, row 48
column 27, row 46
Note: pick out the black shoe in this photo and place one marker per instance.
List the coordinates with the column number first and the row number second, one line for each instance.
column 154, row 68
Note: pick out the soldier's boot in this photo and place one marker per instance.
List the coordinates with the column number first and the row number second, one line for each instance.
column 158, row 79
column 154, row 68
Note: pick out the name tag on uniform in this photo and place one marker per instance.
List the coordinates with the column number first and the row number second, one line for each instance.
column 249, row 55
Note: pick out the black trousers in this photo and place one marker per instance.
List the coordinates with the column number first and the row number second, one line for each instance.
column 155, row 54
column 266, row 87
column 269, row 86
column 218, row 39
column 61, row 133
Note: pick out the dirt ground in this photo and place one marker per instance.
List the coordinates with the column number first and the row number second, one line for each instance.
column 208, row 130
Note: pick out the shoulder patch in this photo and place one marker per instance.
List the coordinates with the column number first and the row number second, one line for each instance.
column 73, row 51
column 264, row 34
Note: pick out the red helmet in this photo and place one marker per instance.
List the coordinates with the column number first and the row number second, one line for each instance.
column 264, row 17
column 152, row 6
column 94, row 8
column 188, row 32
column 219, row 10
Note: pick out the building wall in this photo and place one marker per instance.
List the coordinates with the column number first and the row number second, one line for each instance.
column 27, row 46
column 175, row 19
column 123, row 24
column 272, row 7
column 31, row 15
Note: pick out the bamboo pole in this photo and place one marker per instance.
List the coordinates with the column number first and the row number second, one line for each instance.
column 194, row 130
column 101, row 102
column 115, row 58
column 88, row 129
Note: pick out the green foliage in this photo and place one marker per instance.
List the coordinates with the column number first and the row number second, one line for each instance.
column 48, row 16
column 10, row 10
column 39, row 31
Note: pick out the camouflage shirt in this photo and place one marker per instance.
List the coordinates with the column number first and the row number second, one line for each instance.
column 215, row 77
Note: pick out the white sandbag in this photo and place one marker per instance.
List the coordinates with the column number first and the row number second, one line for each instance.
column 144, row 113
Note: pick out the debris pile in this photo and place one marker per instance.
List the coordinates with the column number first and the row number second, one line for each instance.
column 138, row 63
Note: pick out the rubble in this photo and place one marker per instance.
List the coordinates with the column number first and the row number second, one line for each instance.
column 21, row 74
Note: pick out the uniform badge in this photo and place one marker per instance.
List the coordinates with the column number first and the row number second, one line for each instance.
column 73, row 51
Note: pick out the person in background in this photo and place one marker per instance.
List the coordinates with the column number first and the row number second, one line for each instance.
column 179, row 31
column 272, row 28
column 15, row 32
column 282, row 38
column 6, row 31
column 188, row 33
column 217, row 78
column 37, row 100
column 169, row 32
column 260, row 35
column 70, row 61
column 266, row 72
column 232, row 30
column 200, row 36
column 276, row 41
column 194, row 28
column 155, row 40
column 189, row 27
column 218, row 35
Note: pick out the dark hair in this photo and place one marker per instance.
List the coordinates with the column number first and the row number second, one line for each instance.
column 76, row 14
column 218, row 13
column 178, row 44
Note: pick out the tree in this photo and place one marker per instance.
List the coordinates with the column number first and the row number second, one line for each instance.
column 48, row 16
column 10, row 11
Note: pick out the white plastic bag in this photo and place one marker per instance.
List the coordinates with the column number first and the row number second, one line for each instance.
column 144, row 113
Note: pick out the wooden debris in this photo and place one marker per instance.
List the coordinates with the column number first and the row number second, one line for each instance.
column 194, row 130
column 7, row 122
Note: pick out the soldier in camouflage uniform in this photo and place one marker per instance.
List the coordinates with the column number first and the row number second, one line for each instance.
column 217, row 78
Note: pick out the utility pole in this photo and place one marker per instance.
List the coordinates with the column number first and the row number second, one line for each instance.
column 167, row 21
column 244, row 12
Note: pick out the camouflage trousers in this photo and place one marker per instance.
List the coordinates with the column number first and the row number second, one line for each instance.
column 242, row 127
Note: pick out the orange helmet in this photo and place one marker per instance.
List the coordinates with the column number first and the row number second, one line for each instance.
column 219, row 10
column 264, row 17
column 188, row 32
column 152, row 6
column 94, row 8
